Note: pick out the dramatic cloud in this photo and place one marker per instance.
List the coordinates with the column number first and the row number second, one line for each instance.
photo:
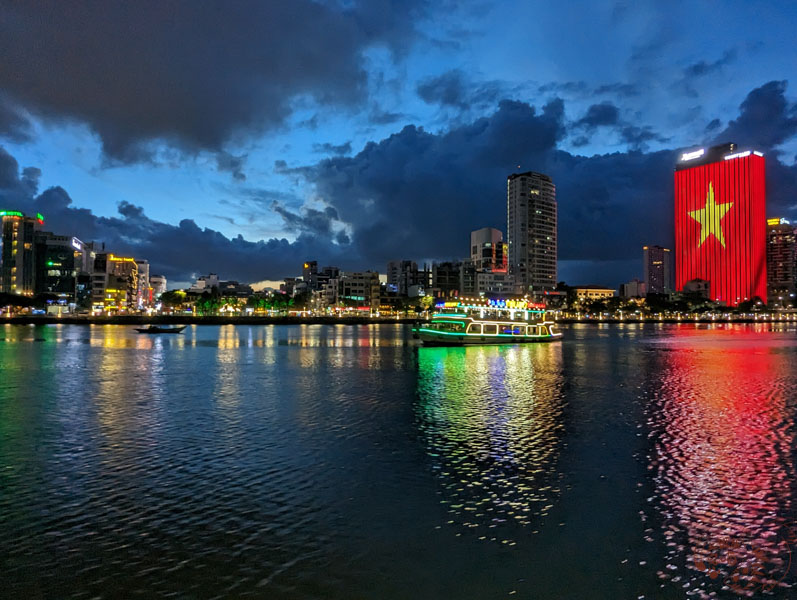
column 177, row 251
column 195, row 74
column 767, row 119
column 417, row 194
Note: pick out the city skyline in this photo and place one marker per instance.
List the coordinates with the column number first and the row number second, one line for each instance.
column 382, row 149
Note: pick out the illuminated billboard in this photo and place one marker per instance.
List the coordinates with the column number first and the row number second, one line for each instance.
column 720, row 226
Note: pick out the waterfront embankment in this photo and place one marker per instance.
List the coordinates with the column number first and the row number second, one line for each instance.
column 329, row 320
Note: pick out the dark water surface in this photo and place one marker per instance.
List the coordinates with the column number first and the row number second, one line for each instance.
column 344, row 462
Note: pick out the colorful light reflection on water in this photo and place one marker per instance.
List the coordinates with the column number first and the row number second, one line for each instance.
column 491, row 419
column 721, row 428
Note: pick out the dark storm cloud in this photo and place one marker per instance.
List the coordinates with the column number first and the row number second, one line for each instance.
column 192, row 73
column 766, row 119
column 453, row 88
column 328, row 148
column 417, row 194
column 177, row 251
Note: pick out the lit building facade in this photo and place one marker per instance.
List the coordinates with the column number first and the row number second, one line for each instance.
column 144, row 291
column 359, row 290
column 114, row 283
column 488, row 250
column 720, row 223
column 60, row 262
column 586, row 293
column 531, row 232
column 781, row 262
column 17, row 252
column 658, row 271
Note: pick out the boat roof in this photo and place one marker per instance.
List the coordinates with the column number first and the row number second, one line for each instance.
column 491, row 304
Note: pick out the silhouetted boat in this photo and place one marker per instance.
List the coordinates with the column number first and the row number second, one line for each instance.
column 156, row 329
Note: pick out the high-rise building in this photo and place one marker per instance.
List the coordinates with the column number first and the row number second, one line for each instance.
column 17, row 252
column 657, row 266
column 720, row 226
column 60, row 261
column 488, row 250
column 531, row 232
column 781, row 262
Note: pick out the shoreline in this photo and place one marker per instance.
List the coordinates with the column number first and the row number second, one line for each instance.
column 211, row 320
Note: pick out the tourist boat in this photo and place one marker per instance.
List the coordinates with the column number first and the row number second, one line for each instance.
column 469, row 321
column 156, row 329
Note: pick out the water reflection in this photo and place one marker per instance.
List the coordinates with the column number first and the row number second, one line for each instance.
column 491, row 419
column 721, row 430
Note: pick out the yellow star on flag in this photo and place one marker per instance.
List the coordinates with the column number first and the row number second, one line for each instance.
column 710, row 217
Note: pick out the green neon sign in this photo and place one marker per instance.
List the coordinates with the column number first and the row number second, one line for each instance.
column 10, row 213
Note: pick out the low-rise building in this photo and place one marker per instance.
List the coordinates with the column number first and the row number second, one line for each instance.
column 158, row 285
column 587, row 293
column 633, row 289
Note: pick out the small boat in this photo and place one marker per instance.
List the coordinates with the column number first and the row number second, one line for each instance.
column 470, row 321
column 156, row 329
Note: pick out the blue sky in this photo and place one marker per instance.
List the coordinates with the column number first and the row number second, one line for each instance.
column 261, row 134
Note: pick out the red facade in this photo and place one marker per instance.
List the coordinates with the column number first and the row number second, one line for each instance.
column 720, row 228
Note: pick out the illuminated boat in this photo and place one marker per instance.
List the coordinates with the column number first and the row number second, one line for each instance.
column 487, row 321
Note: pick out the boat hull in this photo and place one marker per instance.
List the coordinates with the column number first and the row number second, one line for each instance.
column 159, row 330
column 431, row 338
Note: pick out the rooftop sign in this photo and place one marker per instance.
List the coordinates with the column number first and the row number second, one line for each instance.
column 693, row 155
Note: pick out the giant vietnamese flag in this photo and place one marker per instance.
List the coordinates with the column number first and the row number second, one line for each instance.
column 720, row 227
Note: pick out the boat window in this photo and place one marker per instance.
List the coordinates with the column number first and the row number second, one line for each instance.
column 512, row 329
column 449, row 326
column 543, row 330
column 532, row 330
column 475, row 328
column 490, row 329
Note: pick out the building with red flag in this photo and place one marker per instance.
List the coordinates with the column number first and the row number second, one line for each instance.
column 720, row 223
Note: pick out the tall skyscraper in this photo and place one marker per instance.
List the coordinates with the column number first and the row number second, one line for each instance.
column 531, row 232
column 781, row 262
column 17, row 252
column 720, row 226
column 657, row 266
